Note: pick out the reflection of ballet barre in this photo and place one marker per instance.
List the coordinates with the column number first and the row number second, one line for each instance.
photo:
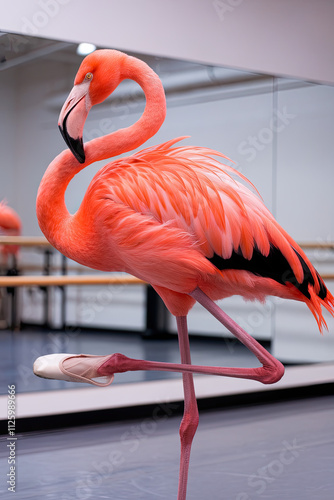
column 156, row 318
column 32, row 268
column 156, row 313
column 36, row 241
column 25, row 241
column 41, row 243
column 315, row 246
column 46, row 281
column 90, row 280
column 11, row 281
column 327, row 276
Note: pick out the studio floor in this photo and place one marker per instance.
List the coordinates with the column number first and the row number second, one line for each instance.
column 264, row 447
column 276, row 451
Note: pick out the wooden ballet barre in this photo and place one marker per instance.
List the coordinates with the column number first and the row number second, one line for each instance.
column 314, row 246
column 28, row 268
column 67, row 280
column 327, row 276
column 15, row 281
column 31, row 241
column 25, row 241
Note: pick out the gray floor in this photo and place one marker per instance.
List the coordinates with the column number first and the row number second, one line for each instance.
column 18, row 350
column 276, row 451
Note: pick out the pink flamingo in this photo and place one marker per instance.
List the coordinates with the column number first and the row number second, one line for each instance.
column 10, row 225
column 174, row 217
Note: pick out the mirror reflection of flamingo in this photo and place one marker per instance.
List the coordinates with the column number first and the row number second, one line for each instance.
column 10, row 225
column 175, row 217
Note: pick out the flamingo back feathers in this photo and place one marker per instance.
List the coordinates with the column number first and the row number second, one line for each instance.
column 215, row 217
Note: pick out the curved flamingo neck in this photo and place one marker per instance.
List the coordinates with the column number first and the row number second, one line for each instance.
column 57, row 224
column 52, row 214
column 127, row 139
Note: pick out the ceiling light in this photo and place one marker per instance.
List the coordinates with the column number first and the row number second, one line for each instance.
column 84, row 48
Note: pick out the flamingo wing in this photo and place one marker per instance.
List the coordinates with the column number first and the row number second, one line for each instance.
column 197, row 212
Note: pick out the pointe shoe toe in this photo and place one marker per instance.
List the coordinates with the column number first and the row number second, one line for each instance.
column 49, row 366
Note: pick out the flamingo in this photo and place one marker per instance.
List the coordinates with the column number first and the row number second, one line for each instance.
column 10, row 225
column 174, row 216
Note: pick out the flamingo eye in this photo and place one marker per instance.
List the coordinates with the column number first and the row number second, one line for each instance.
column 89, row 76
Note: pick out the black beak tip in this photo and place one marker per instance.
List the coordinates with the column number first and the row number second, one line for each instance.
column 78, row 150
column 75, row 145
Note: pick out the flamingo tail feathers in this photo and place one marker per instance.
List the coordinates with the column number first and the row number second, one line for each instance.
column 314, row 304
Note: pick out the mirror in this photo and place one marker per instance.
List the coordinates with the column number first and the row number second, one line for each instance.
column 277, row 131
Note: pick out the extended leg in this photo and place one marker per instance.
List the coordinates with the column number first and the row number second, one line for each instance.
column 190, row 416
column 270, row 371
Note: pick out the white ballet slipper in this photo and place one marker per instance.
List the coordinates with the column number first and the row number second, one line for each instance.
column 51, row 366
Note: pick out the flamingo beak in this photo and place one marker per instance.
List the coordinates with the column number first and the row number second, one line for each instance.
column 72, row 119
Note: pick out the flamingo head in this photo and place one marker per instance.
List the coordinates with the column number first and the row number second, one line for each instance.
column 98, row 76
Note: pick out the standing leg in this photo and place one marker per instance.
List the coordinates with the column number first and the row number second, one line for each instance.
column 189, row 422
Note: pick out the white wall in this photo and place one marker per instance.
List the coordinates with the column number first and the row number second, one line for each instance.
column 285, row 37
column 8, row 140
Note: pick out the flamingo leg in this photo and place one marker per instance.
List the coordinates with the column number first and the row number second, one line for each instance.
column 190, row 418
column 270, row 372
column 272, row 369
